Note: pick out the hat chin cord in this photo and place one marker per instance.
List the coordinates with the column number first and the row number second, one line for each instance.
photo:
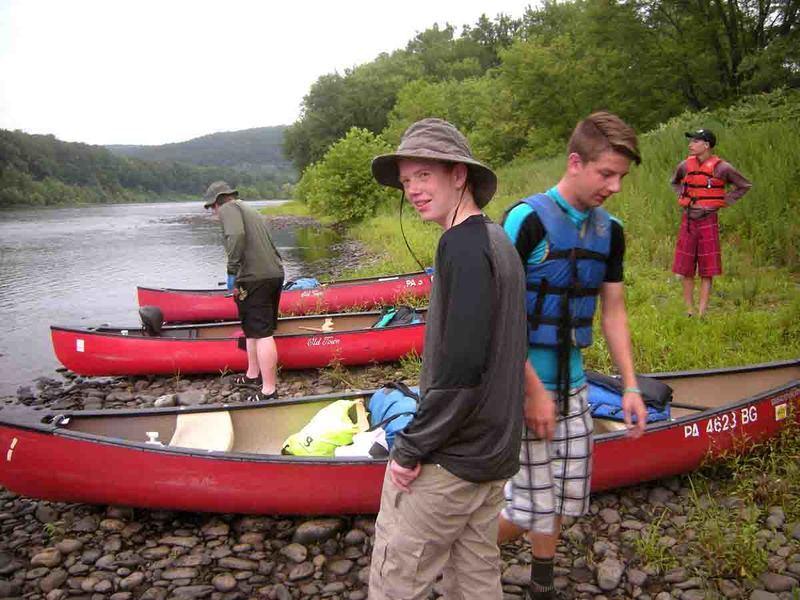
column 403, row 233
column 460, row 198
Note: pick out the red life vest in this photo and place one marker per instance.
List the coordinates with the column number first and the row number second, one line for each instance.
column 700, row 188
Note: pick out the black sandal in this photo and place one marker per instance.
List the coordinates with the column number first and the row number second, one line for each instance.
column 534, row 594
column 260, row 396
column 243, row 379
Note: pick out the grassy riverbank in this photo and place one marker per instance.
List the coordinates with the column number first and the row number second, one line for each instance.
column 754, row 317
column 727, row 529
column 755, row 309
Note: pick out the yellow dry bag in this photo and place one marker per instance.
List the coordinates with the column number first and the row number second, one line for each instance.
column 335, row 425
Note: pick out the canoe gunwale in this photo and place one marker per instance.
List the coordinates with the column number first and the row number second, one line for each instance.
column 775, row 364
column 326, row 284
column 277, row 458
column 115, row 331
column 49, row 422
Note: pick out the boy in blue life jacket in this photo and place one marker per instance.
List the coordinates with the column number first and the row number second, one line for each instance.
column 572, row 252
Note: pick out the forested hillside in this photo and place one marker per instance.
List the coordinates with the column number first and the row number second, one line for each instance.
column 516, row 86
column 256, row 151
column 39, row 170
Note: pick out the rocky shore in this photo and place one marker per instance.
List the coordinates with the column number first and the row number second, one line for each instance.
column 58, row 551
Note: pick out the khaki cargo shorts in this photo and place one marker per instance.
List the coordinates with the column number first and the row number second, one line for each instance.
column 445, row 525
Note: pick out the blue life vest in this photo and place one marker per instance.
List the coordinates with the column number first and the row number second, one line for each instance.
column 562, row 289
column 605, row 397
column 392, row 407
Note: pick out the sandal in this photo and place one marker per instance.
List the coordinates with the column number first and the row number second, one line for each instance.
column 260, row 396
column 546, row 594
column 243, row 379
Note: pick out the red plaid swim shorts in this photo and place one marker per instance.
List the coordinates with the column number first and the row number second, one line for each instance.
column 698, row 247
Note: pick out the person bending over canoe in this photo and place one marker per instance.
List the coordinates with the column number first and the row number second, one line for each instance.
column 443, row 487
column 572, row 252
column 255, row 275
column 700, row 182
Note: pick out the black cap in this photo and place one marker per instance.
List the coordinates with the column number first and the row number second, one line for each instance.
column 703, row 134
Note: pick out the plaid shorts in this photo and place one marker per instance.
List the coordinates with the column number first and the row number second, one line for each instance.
column 698, row 247
column 554, row 476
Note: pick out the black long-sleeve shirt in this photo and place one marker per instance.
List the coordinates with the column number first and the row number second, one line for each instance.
column 472, row 382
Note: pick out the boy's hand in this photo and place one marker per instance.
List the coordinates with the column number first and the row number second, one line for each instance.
column 540, row 413
column 632, row 404
column 403, row 477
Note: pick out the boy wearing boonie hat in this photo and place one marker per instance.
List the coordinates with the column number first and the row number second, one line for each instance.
column 255, row 276
column 700, row 183
column 443, row 487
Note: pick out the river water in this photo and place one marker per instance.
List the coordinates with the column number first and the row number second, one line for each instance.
column 81, row 266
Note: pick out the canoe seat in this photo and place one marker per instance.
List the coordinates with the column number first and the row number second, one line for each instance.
column 607, row 425
column 152, row 320
column 204, row 431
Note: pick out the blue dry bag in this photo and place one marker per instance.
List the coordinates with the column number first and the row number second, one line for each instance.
column 303, row 283
column 392, row 407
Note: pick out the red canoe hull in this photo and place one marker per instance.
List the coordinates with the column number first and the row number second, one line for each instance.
column 96, row 353
column 212, row 305
column 683, row 445
column 84, row 471
column 40, row 462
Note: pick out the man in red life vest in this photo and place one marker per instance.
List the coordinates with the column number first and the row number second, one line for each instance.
column 700, row 182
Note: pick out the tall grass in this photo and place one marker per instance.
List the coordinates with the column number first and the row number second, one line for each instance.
column 755, row 308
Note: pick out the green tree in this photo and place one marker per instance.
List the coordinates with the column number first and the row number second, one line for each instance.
column 723, row 48
column 341, row 184
column 364, row 95
column 476, row 106
column 572, row 63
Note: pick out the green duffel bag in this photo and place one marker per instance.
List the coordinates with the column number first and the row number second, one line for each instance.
column 333, row 426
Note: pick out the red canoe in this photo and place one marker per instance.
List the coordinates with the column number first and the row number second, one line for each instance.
column 303, row 343
column 336, row 296
column 88, row 456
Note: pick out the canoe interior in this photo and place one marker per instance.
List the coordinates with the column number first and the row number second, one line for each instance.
column 307, row 325
column 263, row 429
column 257, row 430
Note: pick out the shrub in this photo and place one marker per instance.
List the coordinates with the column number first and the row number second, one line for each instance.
column 341, row 185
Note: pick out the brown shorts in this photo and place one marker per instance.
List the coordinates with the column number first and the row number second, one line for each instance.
column 698, row 247
column 257, row 302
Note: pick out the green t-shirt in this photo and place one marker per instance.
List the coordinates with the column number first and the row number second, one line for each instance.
column 251, row 254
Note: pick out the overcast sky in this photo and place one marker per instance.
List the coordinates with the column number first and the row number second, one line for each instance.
column 160, row 71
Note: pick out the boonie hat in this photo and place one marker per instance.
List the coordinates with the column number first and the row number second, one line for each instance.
column 436, row 139
column 703, row 134
column 214, row 191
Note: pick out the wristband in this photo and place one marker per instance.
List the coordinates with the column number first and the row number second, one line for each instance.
column 634, row 390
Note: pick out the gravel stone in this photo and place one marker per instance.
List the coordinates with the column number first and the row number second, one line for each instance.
column 224, row 582
column 295, row 552
column 49, row 557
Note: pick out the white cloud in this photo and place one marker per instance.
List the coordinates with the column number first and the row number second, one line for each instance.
column 158, row 71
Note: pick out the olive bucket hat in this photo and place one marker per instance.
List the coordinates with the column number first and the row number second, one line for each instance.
column 214, row 191
column 436, row 139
